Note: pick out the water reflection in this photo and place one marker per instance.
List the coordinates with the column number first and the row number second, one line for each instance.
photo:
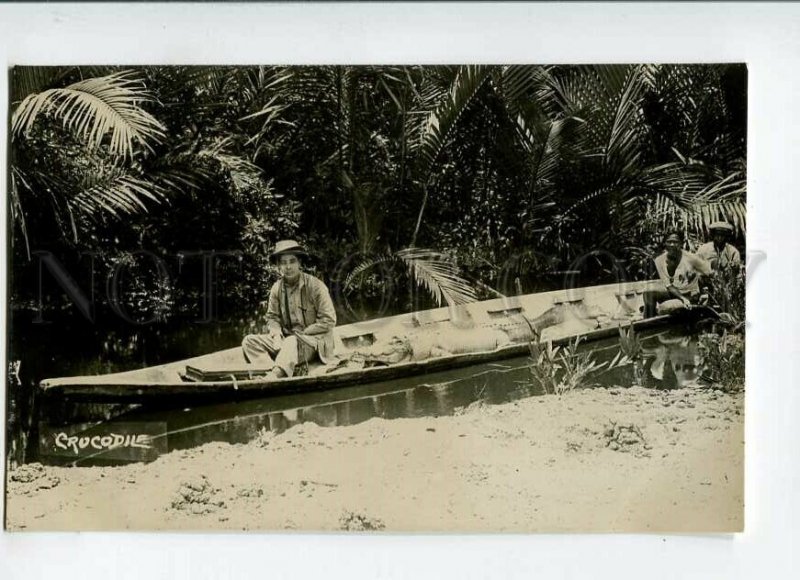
column 677, row 362
column 671, row 359
column 436, row 394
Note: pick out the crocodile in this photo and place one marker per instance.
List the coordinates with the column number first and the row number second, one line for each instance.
column 450, row 338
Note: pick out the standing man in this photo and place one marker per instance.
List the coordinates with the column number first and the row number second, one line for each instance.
column 720, row 254
column 679, row 272
column 300, row 317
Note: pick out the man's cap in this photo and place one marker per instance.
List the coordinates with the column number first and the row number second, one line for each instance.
column 724, row 226
column 284, row 247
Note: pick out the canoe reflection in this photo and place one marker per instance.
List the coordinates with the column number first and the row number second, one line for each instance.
column 242, row 421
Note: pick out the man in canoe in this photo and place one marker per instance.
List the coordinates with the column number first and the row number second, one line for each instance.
column 300, row 317
column 679, row 272
column 718, row 252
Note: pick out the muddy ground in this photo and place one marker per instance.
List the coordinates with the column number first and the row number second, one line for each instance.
column 593, row 460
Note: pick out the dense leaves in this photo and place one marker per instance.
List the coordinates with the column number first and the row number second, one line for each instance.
column 96, row 109
column 509, row 172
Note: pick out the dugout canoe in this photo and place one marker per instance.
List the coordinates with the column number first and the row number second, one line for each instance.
column 464, row 335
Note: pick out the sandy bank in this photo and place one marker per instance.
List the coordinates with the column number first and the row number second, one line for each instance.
column 594, row 460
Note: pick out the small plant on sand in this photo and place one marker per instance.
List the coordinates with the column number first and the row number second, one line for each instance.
column 559, row 370
column 629, row 344
column 726, row 290
column 197, row 497
column 722, row 351
column 723, row 360
column 355, row 522
column 630, row 353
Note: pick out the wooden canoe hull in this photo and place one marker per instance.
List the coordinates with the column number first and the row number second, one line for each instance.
column 613, row 306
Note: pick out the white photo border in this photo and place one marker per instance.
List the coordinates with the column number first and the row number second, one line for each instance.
column 764, row 36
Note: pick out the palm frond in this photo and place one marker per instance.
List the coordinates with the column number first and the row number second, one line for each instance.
column 623, row 147
column 689, row 182
column 543, row 140
column 178, row 179
column 440, row 123
column 696, row 218
column 689, row 195
column 189, row 167
column 96, row 108
column 616, row 187
column 524, row 85
column 365, row 265
column 434, row 272
column 428, row 94
column 119, row 194
column 609, row 98
column 269, row 113
column 431, row 270
column 523, row 89
column 201, row 78
column 244, row 174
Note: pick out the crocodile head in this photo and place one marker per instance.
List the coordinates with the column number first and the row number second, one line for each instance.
column 396, row 349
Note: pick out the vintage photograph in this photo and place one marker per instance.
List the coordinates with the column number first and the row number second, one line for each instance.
column 464, row 298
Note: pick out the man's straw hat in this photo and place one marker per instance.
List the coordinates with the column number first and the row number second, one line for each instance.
column 724, row 226
column 287, row 247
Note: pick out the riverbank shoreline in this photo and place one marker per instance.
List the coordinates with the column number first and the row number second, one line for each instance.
column 595, row 460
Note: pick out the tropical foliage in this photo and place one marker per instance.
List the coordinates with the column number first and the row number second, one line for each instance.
column 558, row 370
column 723, row 360
column 509, row 172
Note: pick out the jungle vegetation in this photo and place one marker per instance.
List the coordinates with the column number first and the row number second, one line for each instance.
column 450, row 179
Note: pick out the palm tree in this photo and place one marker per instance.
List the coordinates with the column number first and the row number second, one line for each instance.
column 89, row 148
column 361, row 128
column 685, row 191
column 704, row 177
column 90, row 163
column 601, row 167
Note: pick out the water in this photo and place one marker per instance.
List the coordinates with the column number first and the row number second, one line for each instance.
column 671, row 360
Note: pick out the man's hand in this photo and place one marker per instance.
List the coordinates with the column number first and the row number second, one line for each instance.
column 686, row 303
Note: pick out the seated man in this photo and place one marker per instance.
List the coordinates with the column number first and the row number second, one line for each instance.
column 679, row 272
column 300, row 317
column 718, row 253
